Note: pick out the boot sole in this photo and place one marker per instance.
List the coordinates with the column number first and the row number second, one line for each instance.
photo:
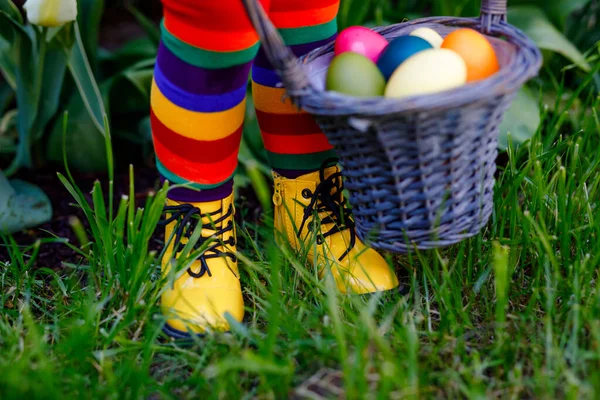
column 177, row 334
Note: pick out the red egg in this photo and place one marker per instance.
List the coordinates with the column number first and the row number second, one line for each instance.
column 361, row 40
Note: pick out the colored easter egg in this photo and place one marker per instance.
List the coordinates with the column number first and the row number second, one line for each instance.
column 354, row 74
column 429, row 71
column 476, row 50
column 361, row 40
column 398, row 51
column 434, row 38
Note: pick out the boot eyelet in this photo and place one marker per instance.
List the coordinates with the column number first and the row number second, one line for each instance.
column 306, row 193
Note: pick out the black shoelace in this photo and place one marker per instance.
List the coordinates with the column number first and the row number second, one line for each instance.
column 329, row 198
column 187, row 217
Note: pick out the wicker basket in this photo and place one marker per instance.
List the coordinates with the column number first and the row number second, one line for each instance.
column 419, row 170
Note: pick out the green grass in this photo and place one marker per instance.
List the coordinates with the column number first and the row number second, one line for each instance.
column 511, row 313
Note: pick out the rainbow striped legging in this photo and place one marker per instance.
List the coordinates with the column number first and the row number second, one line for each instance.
column 208, row 49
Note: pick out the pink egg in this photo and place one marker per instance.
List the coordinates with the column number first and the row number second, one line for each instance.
column 361, row 40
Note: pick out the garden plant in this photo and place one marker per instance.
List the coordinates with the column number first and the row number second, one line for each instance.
column 512, row 312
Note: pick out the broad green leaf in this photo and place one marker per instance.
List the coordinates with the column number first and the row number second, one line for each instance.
column 535, row 24
column 149, row 27
column 129, row 91
column 8, row 132
column 55, row 66
column 6, row 95
column 22, row 205
column 8, row 67
column 11, row 9
column 560, row 10
column 521, row 120
column 24, row 55
column 88, row 19
column 145, row 129
column 84, row 143
column 141, row 79
column 353, row 12
column 129, row 55
column 86, row 82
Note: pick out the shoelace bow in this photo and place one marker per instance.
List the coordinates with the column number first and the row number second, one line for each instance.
column 329, row 198
column 188, row 217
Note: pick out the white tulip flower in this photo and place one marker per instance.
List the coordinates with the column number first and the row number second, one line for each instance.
column 50, row 13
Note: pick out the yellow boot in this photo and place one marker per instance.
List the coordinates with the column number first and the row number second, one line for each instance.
column 197, row 299
column 311, row 214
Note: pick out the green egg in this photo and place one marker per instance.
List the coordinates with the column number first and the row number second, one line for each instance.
column 356, row 75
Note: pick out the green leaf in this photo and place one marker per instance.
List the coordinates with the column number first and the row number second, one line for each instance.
column 6, row 96
column 8, row 132
column 353, row 12
column 24, row 55
column 22, row 205
column 130, row 54
column 55, row 66
column 141, row 79
column 89, row 18
column 559, row 10
column 149, row 27
column 85, row 147
column 535, row 24
column 86, row 82
column 7, row 64
column 11, row 10
column 521, row 120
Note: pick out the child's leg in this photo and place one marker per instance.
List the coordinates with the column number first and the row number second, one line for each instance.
column 294, row 142
column 199, row 93
column 198, row 106
column 297, row 149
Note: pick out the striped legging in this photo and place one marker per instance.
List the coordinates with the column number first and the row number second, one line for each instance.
column 208, row 49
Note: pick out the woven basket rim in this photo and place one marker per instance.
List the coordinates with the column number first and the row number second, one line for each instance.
column 524, row 65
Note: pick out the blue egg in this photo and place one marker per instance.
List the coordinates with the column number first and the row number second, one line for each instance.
column 398, row 51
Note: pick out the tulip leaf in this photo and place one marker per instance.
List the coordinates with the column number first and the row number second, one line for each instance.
column 84, row 145
column 23, row 55
column 535, row 24
column 149, row 27
column 86, row 82
column 560, row 10
column 8, row 65
column 11, row 10
column 6, row 96
column 22, row 205
column 88, row 18
column 521, row 120
column 353, row 12
column 54, row 68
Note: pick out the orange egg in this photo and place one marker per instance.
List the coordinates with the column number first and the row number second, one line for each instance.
column 476, row 50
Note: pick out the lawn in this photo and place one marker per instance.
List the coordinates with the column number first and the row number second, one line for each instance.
column 513, row 312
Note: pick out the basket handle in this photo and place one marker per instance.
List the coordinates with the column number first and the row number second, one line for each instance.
column 492, row 12
column 279, row 55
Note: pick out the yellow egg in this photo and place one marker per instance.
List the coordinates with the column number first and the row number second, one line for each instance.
column 430, row 35
column 429, row 71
